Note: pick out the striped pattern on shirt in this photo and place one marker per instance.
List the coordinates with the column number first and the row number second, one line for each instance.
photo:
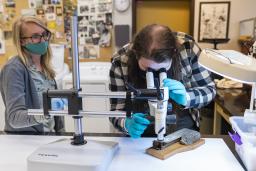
column 197, row 81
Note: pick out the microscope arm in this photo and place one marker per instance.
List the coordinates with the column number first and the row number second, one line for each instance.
column 75, row 102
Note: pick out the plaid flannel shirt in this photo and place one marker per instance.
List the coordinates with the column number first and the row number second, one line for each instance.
column 197, row 81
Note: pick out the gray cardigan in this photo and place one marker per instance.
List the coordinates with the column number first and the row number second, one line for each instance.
column 19, row 94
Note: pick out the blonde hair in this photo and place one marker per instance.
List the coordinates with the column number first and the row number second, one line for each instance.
column 17, row 33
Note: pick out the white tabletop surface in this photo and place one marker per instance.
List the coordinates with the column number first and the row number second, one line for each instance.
column 214, row 155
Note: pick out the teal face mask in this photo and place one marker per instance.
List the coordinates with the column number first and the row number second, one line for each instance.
column 37, row 48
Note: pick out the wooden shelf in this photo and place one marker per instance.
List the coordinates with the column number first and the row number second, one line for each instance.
column 245, row 45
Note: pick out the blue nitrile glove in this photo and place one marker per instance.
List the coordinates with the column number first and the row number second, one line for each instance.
column 136, row 124
column 177, row 91
column 58, row 103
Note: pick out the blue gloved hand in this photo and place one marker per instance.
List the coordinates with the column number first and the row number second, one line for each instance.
column 58, row 103
column 136, row 125
column 177, row 91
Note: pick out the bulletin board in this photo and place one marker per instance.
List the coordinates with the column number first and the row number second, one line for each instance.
column 13, row 9
column 53, row 12
column 94, row 29
column 10, row 13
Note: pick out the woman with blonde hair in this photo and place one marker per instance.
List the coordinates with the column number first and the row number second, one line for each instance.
column 26, row 76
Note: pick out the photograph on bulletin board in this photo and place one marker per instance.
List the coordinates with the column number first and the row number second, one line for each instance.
column 51, row 2
column 40, row 12
column 94, row 26
column 83, row 9
column 10, row 4
column 35, row 3
column 58, row 11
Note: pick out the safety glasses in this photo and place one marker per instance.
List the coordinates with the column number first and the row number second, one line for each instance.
column 36, row 38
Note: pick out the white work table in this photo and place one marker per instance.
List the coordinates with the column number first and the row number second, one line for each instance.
column 214, row 155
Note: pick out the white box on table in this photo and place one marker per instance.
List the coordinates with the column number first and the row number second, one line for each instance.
column 247, row 132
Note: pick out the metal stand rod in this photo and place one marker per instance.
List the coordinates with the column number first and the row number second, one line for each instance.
column 76, row 76
column 81, row 113
column 120, row 95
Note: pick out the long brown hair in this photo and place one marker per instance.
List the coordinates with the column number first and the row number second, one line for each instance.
column 157, row 43
column 17, row 33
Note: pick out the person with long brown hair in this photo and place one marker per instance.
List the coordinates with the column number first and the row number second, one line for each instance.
column 190, row 85
column 25, row 76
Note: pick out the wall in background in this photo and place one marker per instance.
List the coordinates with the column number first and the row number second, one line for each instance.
column 123, row 18
column 163, row 12
column 239, row 10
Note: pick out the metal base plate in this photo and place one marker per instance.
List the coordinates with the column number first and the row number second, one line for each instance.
column 61, row 155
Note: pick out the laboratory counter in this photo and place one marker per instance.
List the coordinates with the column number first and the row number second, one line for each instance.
column 218, row 153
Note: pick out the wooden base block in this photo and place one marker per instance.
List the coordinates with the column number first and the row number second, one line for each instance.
column 173, row 149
